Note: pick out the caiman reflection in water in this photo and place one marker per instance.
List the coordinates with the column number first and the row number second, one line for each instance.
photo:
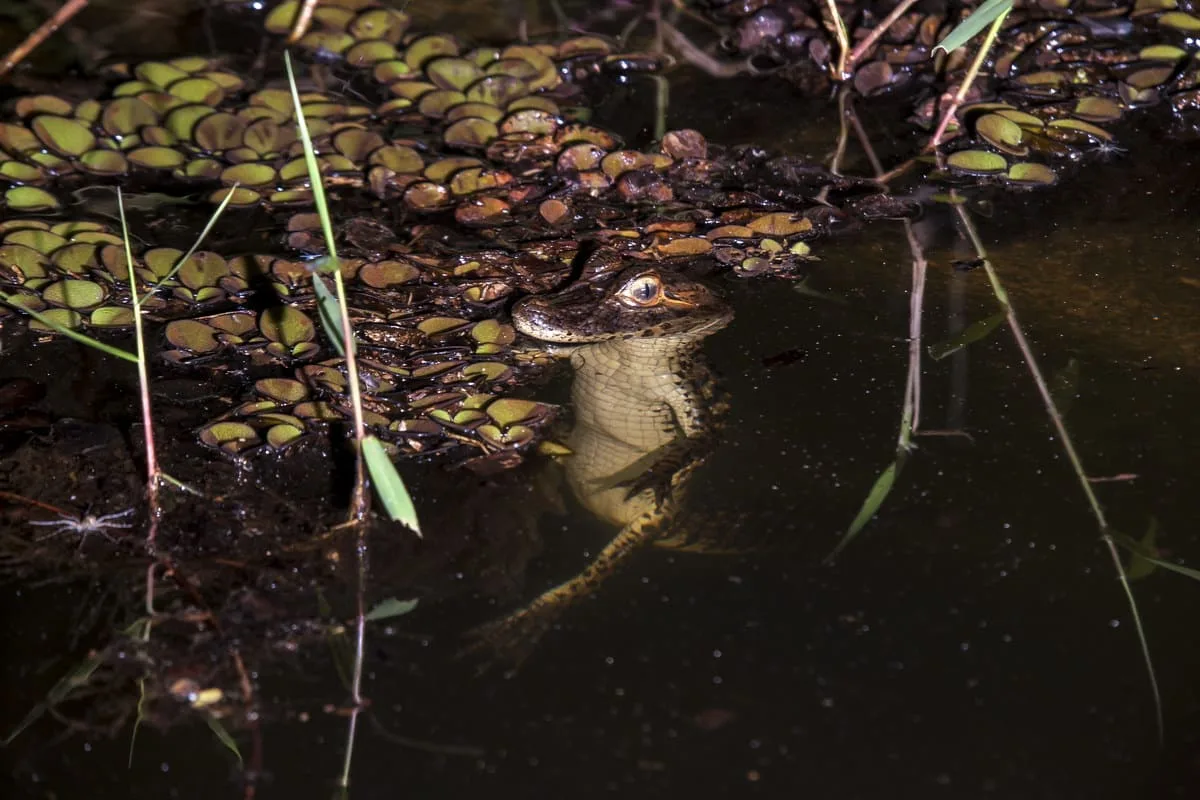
column 644, row 409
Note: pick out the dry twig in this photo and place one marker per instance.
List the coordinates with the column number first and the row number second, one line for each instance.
column 44, row 32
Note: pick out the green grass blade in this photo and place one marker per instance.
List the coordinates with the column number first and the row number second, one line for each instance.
column 223, row 737
column 1064, row 385
column 330, row 314
column 11, row 301
column 389, row 486
column 390, row 608
column 1139, row 565
column 979, row 19
column 73, row 680
column 314, row 171
column 335, row 319
column 1145, row 551
column 969, row 335
column 879, row 492
column 195, row 245
column 803, row 288
column 1187, row 572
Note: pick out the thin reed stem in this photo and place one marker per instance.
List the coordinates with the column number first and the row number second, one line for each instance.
column 152, row 469
column 968, row 80
column 1069, row 448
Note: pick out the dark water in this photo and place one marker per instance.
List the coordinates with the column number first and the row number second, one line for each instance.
column 972, row 642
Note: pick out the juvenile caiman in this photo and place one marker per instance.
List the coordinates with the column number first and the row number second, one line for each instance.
column 644, row 413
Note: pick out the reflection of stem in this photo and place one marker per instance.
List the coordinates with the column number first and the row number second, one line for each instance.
column 911, row 413
column 360, row 639
column 872, row 37
column 699, row 59
column 835, row 163
column 1068, row 446
column 916, row 305
column 843, row 39
column 835, row 166
column 960, row 361
column 969, row 79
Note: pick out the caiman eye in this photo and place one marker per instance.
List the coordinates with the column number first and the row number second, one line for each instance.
column 644, row 290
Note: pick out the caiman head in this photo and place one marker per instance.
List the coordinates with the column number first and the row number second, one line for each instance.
column 637, row 302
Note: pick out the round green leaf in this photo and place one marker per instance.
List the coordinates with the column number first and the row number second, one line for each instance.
column 286, row 325
column 30, row 198
column 68, row 137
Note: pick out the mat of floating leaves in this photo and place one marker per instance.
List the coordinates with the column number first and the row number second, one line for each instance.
column 434, row 389
column 1061, row 75
column 489, row 156
column 195, row 120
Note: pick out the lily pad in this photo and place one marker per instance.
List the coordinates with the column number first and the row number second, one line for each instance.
column 42, row 104
column 1031, row 175
column 384, row 274
column 977, row 162
column 217, row 132
column 452, row 73
column 357, row 144
column 510, row 410
column 282, row 435
column 481, row 110
column 76, row 258
column 111, row 317
column 1180, row 21
column 198, row 90
column 397, row 158
column 283, row 390
column 781, row 224
column 57, row 318
column 67, row 137
column 472, row 132
column 426, row 195
column 17, row 139
column 388, row 24
column 157, row 157
column 203, row 269
column 253, row 174
column 232, row 437
column 287, row 326
column 126, row 115
column 1001, row 133
column 425, row 49
column 104, row 162
column 21, row 172
column 1097, row 109
column 19, row 263
column 193, row 336
column 30, row 198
